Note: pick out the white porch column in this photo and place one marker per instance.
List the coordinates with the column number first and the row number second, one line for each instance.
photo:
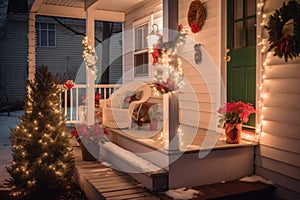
column 170, row 23
column 90, row 77
column 31, row 46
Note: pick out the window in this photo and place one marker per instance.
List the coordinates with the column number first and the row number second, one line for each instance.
column 141, row 54
column 45, row 34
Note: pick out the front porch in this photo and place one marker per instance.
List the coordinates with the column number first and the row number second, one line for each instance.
column 100, row 181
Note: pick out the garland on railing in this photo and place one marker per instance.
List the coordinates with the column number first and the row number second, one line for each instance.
column 285, row 43
column 89, row 56
column 168, row 75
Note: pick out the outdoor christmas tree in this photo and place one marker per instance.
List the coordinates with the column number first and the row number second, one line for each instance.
column 43, row 161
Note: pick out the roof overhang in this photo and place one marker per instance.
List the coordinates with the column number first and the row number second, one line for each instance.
column 104, row 10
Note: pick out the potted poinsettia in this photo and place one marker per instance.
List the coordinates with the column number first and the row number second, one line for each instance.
column 89, row 137
column 232, row 116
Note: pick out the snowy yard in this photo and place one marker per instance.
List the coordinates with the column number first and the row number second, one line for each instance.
column 6, row 122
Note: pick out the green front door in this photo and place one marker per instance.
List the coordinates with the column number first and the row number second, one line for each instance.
column 241, row 41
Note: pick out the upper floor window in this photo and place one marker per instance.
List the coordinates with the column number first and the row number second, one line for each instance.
column 46, row 34
column 141, row 53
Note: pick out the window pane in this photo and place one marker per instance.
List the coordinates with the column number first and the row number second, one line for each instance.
column 51, row 38
column 138, row 39
column 238, row 9
column 38, row 38
column 43, row 38
column 251, row 31
column 43, row 26
column 51, row 26
column 251, row 7
column 238, row 40
column 141, row 64
column 145, row 42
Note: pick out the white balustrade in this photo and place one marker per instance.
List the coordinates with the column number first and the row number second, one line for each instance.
column 73, row 98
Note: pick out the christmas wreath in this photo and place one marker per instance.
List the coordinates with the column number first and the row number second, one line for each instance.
column 196, row 16
column 285, row 43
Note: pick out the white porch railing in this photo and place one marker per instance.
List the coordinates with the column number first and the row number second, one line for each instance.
column 73, row 98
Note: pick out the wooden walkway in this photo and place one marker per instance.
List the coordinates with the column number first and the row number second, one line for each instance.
column 101, row 182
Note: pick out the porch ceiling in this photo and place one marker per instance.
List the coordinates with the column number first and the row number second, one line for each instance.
column 106, row 10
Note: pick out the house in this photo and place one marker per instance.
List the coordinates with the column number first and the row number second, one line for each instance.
column 58, row 47
column 248, row 73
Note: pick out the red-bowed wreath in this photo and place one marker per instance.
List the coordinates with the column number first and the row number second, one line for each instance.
column 285, row 45
column 196, row 16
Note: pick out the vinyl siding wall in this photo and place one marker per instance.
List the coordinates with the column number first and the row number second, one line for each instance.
column 278, row 155
column 203, row 97
column 13, row 60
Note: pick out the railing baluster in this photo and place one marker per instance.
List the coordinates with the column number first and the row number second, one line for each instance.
column 77, row 116
column 71, row 104
column 66, row 102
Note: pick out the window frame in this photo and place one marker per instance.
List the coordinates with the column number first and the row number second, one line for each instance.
column 39, row 30
column 137, row 24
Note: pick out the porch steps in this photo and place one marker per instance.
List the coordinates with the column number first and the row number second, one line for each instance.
column 102, row 182
column 147, row 173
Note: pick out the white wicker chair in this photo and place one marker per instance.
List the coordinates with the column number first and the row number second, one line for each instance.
column 114, row 116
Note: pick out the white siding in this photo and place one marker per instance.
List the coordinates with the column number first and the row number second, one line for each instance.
column 278, row 155
column 13, row 60
column 204, row 77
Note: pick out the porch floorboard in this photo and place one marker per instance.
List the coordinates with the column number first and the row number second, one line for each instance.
column 102, row 182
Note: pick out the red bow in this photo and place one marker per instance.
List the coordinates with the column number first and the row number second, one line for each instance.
column 284, row 45
column 69, row 84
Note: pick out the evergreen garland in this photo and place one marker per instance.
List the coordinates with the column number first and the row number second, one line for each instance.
column 43, row 161
column 285, row 45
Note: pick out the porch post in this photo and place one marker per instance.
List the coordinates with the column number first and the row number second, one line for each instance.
column 90, row 77
column 170, row 23
column 31, row 46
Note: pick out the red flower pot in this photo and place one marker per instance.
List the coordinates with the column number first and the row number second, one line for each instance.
column 233, row 133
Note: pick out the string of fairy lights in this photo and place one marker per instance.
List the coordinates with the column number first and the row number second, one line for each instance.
column 263, row 46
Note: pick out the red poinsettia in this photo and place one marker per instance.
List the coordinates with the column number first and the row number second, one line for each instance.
column 236, row 112
column 195, row 28
column 87, row 133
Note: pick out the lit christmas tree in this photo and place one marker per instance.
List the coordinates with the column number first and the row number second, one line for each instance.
column 43, row 161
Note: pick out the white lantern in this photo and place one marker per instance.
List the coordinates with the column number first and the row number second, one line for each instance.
column 153, row 36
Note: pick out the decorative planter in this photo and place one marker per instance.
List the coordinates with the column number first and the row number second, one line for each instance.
column 90, row 151
column 233, row 133
column 153, row 125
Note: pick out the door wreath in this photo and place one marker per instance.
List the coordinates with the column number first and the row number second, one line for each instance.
column 196, row 16
column 285, row 43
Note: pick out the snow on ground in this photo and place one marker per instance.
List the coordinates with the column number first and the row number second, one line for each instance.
column 6, row 122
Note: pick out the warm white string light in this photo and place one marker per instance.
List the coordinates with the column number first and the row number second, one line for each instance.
column 263, row 50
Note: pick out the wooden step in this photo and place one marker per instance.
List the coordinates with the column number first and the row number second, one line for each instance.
column 101, row 182
column 232, row 190
column 147, row 173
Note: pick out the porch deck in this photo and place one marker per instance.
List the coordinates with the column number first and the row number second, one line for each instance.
column 101, row 182
column 193, row 139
